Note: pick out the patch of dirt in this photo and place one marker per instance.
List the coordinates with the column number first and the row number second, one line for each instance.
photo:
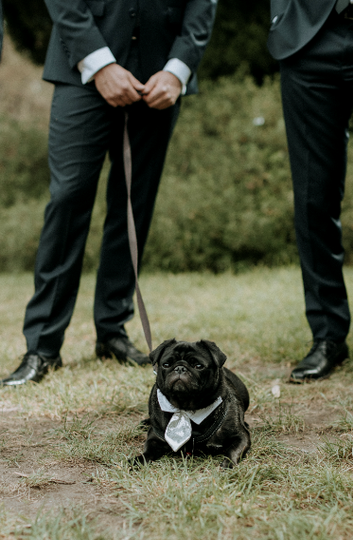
column 307, row 442
column 317, row 418
column 258, row 370
column 32, row 480
column 25, row 462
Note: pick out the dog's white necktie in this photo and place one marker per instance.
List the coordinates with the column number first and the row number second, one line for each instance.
column 179, row 429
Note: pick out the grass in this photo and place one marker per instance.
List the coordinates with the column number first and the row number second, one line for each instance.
column 62, row 525
column 82, row 424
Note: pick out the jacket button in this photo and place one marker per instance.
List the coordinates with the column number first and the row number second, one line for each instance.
column 132, row 12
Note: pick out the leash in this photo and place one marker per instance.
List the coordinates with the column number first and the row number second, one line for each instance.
column 131, row 229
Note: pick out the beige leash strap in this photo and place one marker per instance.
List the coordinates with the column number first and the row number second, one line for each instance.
column 132, row 235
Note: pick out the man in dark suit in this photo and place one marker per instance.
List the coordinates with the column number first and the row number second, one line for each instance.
column 313, row 41
column 106, row 56
column 1, row 29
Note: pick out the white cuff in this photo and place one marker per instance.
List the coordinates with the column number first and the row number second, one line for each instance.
column 94, row 62
column 180, row 70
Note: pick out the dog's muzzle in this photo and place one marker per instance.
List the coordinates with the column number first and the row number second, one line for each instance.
column 180, row 370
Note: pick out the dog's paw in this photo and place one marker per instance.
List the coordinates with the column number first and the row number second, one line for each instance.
column 145, row 424
column 137, row 461
column 227, row 463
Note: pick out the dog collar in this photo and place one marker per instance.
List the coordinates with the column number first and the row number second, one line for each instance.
column 179, row 429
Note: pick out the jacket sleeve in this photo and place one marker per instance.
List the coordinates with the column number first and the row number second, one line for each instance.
column 1, row 29
column 76, row 26
column 196, row 30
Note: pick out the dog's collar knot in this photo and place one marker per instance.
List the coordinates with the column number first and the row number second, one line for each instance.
column 179, row 429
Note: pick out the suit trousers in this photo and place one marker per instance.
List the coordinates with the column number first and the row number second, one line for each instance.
column 317, row 94
column 83, row 128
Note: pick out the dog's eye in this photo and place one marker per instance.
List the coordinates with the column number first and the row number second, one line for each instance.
column 166, row 364
column 198, row 366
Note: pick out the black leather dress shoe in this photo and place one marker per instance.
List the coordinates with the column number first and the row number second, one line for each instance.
column 123, row 350
column 322, row 358
column 32, row 368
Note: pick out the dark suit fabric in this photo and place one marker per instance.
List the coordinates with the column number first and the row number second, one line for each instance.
column 295, row 23
column 317, row 95
column 83, row 127
column 76, row 152
column 75, row 163
column 168, row 29
column 1, row 29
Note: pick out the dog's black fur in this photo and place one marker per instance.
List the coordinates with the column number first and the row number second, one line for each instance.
column 192, row 376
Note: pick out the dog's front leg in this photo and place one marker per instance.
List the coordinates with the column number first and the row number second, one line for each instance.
column 236, row 450
column 154, row 449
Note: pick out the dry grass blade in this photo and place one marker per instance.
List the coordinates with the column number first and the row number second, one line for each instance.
column 46, row 480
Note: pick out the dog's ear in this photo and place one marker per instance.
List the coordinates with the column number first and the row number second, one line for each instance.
column 157, row 353
column 218, row 356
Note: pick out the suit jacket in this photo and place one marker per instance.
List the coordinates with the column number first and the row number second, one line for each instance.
column 1, row 29
column 168, row 29
column 295, row 23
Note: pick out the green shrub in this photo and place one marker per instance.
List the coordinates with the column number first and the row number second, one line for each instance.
column 226, row 196
column 24, row 182
column 225, row 200
column 29, row 25
column 24, row 172
column 20, row 227
column 239, row 35
column 24, row 179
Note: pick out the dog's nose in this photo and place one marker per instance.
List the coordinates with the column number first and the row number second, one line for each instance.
column 180, row 369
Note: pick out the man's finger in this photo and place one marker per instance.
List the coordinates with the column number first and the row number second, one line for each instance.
column 139, row 87
column 160, row 103
column 155, row 93
column 117, row 85
column 150, row 84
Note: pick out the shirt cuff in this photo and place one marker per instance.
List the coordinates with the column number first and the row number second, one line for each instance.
column 94, row 62
column 180, row 70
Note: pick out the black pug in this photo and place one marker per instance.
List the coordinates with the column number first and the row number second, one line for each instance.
column 197, row 405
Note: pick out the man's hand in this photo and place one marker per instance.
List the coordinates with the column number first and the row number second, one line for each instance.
column 118, row 86
column 162, row 90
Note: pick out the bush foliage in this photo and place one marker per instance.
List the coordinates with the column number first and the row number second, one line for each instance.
column 29, row 26
column 239, row 38
column 239, row 35
column 225, row 199
column 23, row 163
